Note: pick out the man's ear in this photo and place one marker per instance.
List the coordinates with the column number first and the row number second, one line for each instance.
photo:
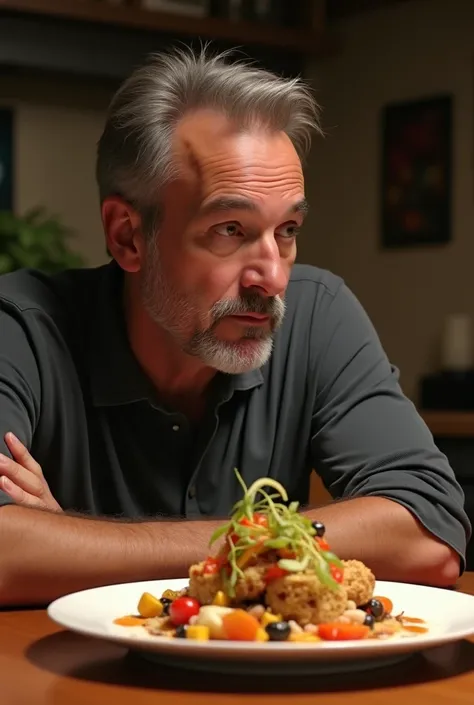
column 123, row 233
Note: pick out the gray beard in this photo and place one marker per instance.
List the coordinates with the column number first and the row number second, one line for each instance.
column 177, row 315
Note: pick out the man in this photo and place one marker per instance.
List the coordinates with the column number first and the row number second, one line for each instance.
column 129, row 393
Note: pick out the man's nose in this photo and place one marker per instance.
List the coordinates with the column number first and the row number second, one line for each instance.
column 268, row 271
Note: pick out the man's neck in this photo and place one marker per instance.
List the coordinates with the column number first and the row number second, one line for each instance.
column 181, row 381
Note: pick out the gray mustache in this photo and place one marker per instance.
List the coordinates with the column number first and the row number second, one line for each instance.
column 253, row 303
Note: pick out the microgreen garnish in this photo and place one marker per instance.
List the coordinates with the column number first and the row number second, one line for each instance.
column 257, row 526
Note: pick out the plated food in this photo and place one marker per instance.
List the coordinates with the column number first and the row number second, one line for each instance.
column 274, row 578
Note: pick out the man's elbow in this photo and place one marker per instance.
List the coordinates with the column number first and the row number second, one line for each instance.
column 448, row 568
column 441, row 566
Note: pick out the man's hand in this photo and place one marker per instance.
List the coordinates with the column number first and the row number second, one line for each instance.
column 22, row 478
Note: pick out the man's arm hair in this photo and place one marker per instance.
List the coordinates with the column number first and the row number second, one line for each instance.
column 46, row 555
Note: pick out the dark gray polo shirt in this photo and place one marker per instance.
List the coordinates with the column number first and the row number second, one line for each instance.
column 71, row 389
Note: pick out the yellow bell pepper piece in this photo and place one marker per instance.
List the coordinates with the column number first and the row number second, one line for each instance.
column 268, row 618
column 303, row 636
column 149, row 606
column 220, row 599
column 198, row 632
column 261, row 635
column 171, row 594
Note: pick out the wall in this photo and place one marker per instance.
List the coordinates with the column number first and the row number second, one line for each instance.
column 409, row 50
column 407, row 294
column 55, row 140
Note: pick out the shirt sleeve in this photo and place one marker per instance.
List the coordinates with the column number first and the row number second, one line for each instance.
column 367, row 436
column 19, row 386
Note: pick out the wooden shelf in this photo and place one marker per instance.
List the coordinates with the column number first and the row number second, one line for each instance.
column 449, row 424
column 313, row 41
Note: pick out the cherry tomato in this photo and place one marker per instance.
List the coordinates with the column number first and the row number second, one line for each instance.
column 323, row 544
column 337, row 573
column 211, row 566
column 274, row 572
column 182, row 609
column 342, row 632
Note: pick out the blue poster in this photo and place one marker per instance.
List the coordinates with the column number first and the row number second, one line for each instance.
column 6, row 159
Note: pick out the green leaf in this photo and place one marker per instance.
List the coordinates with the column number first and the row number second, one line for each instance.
column 257, row 486
column 35, row 240
column 293, row 566
column 322, row 571
column 6, row 264
column 218, row 533
column 240, row 480
column 293, row 507
column 332, row 558
column 277, row 543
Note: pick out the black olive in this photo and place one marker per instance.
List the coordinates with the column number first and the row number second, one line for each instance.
column 180, row 631
column 319, row 528
column 278, row 631
column 369, row 620
column 166, row 602
column 375, row 608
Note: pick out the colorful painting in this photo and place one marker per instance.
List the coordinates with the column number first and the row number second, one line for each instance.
column 6, row 159
column 416, row 178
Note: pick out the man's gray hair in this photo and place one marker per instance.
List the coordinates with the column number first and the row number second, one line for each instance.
column 134, row 152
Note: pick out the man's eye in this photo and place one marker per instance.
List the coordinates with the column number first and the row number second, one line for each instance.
column 288, row 231
column 228, row 229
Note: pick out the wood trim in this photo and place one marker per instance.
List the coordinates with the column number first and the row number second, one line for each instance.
column 305, row 41
column 450, row 424
column 318, row 494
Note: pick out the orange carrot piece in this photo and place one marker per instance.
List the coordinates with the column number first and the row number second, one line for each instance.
column 239, row 625
column 129, row 621
column 251, row 552
column 286, row 553
column 415, row 628
column 336, row 631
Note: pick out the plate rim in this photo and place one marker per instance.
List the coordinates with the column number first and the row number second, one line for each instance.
column 240, row 650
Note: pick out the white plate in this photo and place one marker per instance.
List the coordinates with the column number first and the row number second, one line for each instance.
column 449, row 614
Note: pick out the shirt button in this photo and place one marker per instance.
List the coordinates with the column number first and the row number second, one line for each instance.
column 176, row 427
column 192, row 492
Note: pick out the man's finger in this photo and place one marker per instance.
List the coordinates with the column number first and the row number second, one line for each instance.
column 21, row 454
column 21, row 477
column 17, row 494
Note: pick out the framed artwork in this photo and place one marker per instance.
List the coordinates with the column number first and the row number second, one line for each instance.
column 6, row 159
column 416, row 173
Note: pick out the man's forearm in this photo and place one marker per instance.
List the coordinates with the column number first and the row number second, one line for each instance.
column 387, row 538
column 45, row 555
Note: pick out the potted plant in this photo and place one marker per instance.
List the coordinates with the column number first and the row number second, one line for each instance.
column 35, row 240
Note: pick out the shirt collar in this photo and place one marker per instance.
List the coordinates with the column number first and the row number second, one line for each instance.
column 116, row 377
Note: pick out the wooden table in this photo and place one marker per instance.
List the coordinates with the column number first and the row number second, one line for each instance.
column 40, row 664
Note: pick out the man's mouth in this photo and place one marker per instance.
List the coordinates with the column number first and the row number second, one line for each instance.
column 252, row 318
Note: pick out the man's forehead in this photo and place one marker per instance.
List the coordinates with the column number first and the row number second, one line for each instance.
column 210, row 139
column 199, row 133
